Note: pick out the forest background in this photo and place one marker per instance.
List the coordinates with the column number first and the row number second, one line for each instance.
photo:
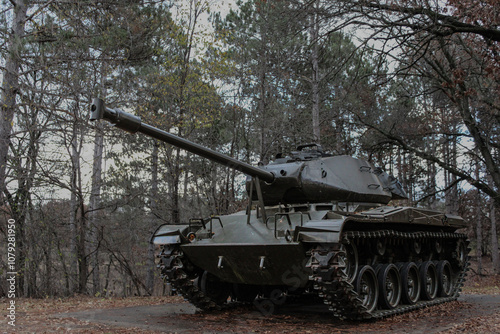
column 411, row 85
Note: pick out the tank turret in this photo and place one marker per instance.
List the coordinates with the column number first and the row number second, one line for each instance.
column 305, row 176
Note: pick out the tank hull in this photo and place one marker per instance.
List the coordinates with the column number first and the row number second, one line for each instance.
column 347, row 258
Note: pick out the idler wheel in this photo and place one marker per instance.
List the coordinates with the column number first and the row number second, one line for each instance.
column 389, row 283
column 367, row 288
column 429, row 280
column 445, row 278
column 410, row 283
column 214, row 288
column 461, row 253
column 351, row 261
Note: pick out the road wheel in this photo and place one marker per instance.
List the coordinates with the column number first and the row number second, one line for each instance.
column 389, row 283
column 367, row 288
column 410, row 283
column 214, row 288
column 351, row 261
column 445, row 279
column 428, row 280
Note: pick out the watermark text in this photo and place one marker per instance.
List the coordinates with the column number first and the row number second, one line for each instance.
column 11, row 274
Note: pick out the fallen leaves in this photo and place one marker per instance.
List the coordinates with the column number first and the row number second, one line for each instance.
column 44, row 316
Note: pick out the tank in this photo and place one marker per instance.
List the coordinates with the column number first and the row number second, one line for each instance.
column 317, row 227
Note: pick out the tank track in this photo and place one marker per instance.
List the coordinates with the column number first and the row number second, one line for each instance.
column 173, row 270
column 330, row 278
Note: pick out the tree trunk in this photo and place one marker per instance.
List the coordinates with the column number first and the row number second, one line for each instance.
column 494, row 239
column 10, row 89
column 479, row 228
column 10, row 86
column 48, row 267
column 262, row 90
column 21, row 207
column 451, row 194
column 31, row 268
column 74, row 214
column 314, row 35
column 82, row 253
column 94, row 207
column 262, row 107
column 175, row 211
column 479, row 237
column 214, row 210
column 408, row 175
column 154, row 211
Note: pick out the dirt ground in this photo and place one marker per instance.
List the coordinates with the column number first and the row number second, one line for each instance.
column 476, row 311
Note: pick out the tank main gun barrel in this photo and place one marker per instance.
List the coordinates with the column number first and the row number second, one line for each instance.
column 133, row 124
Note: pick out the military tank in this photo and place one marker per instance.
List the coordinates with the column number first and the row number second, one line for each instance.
column 315, row 224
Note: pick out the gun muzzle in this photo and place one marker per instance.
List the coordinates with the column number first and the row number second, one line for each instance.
column 120, row 118
column 96, row 109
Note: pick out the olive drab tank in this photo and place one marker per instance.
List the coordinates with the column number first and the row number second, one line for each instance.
column 315, row 224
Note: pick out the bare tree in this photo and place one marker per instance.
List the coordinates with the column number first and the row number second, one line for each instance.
column 445, row 43
column 10, row 85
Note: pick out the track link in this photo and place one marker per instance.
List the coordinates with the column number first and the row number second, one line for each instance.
column 331, row 281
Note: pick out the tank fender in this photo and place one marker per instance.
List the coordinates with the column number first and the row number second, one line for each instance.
column 169, row 234
column 319, row 237
column 320, row 231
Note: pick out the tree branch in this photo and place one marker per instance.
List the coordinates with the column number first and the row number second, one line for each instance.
column 449, row 22
column 398, row 141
